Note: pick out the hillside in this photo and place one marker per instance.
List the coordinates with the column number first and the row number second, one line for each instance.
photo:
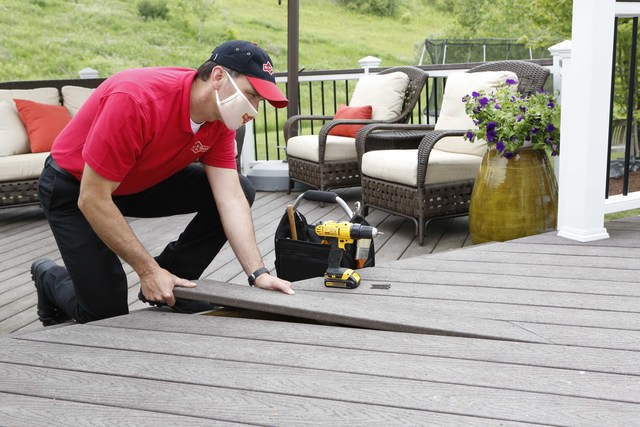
column 44, row 39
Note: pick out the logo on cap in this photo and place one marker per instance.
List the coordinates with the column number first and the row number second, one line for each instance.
column 267, row 67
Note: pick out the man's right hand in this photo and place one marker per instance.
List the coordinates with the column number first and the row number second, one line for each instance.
column 158, row 284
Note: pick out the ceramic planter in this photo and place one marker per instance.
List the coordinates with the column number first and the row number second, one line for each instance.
column 514, row 197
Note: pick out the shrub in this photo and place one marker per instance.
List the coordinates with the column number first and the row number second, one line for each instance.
column 373, row 7
column 153, row 9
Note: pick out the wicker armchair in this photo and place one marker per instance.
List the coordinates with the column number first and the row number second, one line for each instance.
column 419, row 194
column 326, row 174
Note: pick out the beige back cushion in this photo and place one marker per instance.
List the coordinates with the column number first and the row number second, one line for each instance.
column 13, row 135
column 453, row 115
column 384, row 92
column 44, row 95
column 73, row 97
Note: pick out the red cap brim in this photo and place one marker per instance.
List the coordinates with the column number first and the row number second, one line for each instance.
column 269, row 91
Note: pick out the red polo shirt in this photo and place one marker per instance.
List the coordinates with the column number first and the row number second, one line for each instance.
column 135, row 129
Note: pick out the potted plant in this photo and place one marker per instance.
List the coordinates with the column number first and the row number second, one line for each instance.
column 515, row 193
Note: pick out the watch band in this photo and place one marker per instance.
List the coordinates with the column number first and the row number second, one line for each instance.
column 253, row 276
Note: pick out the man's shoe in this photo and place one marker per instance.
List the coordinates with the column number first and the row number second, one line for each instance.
column 48, row 313
column 185, row 306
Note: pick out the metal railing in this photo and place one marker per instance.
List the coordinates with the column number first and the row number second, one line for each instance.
column 623, row 133
column 322, row 92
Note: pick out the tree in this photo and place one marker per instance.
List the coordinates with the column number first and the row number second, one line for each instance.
column 535, row 22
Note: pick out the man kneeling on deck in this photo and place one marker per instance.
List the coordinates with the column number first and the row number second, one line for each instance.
column 130, row 151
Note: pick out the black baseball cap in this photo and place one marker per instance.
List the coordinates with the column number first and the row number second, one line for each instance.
column 248, row 59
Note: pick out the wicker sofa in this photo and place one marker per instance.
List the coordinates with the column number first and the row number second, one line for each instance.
column 20, row 166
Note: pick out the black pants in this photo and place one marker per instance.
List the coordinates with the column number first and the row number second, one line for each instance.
column 93, row 284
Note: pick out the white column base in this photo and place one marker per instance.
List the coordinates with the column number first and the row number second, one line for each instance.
column 582, row 235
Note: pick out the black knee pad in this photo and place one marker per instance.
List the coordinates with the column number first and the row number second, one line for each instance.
column 248, row 188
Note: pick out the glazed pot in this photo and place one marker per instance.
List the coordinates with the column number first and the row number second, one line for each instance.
column 514, row 197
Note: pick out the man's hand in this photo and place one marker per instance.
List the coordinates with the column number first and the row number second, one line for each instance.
column 267, row 281
column 158, row 284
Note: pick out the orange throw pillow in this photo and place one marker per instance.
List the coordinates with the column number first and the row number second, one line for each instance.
column 345, row 112
column 43, row 123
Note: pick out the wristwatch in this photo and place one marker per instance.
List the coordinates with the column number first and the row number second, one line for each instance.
column 253, row 276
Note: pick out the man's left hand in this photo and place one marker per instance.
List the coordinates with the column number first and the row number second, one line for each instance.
column 273, row 283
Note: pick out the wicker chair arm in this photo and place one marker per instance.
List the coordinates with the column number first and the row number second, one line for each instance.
column 324, row 132
column 364, row 143
column 291, row 125
column 424, row 150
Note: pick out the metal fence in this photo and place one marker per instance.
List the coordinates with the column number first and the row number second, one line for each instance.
column 322, row 92
column 623, row 153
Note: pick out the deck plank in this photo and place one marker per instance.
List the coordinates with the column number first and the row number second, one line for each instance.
column 384, row 385
column 395, row 314
column 32, row 411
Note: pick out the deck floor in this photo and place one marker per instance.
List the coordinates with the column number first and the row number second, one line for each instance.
column 535, row 331
column 25, row 236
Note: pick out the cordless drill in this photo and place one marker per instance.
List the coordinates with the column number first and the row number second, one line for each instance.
column 339, row 234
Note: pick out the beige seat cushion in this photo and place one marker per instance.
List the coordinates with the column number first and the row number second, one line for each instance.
column 73, row 97
column 453, row 115
column 338, row 148
column 22, row 166
column 401, row 166
column 384, row 92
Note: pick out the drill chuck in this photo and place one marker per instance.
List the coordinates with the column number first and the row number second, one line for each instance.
column 359, row 231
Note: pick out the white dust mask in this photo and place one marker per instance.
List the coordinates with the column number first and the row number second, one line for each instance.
column 235, row 110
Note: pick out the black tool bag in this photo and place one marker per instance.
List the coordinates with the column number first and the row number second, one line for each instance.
column 307, row 257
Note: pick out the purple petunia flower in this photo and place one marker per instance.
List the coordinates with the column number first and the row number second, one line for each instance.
column 523, row 109
column 550, row 127
column 500, row 146
column 508, row 154
column 510, row 82
column 534, row 131
column 491, row 135
column 518, row 118
column 469, row 135
column 476, row 122
column 497, row 106
column 491, row 125
column 483, row 101
column 551, row 104
column 475, row 94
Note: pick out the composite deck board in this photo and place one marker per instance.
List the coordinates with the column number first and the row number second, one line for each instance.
column 348, row 308
column 415, row 314
column 524, row 354
column 245, row 379
column 33, row 411
column 376, row 362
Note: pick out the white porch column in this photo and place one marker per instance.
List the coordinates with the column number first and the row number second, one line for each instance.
column 585, row 111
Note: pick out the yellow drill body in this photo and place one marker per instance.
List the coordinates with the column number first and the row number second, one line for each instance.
column 339, row 234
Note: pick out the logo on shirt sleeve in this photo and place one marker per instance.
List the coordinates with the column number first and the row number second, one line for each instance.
column 199, row 147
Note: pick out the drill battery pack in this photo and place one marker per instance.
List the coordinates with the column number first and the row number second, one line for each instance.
column 305, row 256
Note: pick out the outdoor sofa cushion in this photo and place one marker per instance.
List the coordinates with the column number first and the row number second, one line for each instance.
column 401, row 166
column 43, row 123
column 306, row 147
column 385, row 94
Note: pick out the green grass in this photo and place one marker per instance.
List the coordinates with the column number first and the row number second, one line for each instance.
column 54, row 39
column 622, row 214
